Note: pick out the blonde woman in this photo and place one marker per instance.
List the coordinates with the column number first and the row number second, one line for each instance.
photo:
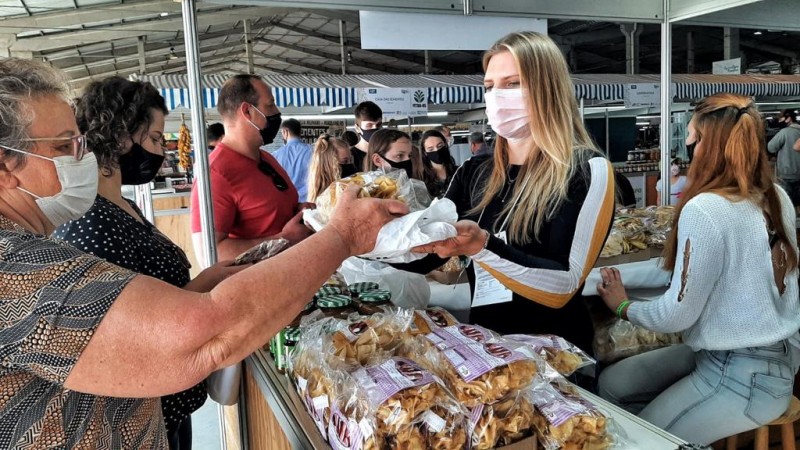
column 330, row 161
column 536, row 214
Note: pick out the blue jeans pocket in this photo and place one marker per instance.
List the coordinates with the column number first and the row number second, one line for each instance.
column 769, row 398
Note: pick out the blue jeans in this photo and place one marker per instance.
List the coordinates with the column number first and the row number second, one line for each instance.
column 708, row 395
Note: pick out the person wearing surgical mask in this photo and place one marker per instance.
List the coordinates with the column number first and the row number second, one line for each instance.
column 438, row 163
column 677, row 184
column 369, row 119
column 89, row 346
column 253, row 197
column 330, row 161
column 123, row 124
column 390, row 149
column 535, row 214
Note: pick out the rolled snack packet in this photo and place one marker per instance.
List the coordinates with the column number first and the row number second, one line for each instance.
column 262, row 251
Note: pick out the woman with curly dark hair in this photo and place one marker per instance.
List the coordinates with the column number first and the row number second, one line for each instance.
column 123, row 122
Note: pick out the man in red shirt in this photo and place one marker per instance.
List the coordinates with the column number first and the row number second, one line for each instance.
column 253, row 197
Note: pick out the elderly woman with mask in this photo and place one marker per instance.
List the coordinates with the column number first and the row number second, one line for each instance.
column 88, row 346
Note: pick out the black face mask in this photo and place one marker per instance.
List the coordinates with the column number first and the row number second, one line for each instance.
column 271, row 129
column 403, row 165
column 440, row 156
column 347, row 170
column 139, row 166
column 782, row 125
column 367, row 134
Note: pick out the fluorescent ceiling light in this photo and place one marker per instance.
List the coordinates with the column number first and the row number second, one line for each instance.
column 437, row 113
column 164, row 14
column 758, row 33
column 642, row 123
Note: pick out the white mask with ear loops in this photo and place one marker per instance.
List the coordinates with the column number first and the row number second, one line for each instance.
column 78, row 180
column 507, row 113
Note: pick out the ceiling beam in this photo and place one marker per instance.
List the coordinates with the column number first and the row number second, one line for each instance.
column 687, row 9
column 126, row 46
column 404, row 58
column 294, row 62
column 771, row 15
column 152, row 69
column 158, row 54
column 606, row 10
column 167, row 25
column 88, row 14
column 371, row 67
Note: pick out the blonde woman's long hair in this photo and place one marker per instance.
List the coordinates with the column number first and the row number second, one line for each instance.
column 324, row 168
column 557, row 131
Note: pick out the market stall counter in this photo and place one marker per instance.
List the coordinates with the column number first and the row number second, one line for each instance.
column 277, row 419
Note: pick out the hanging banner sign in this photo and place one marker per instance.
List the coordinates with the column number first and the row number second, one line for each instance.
column 642, row 94
column 397, row 103
column 727, row 67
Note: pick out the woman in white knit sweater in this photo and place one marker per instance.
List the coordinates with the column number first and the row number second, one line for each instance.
column 734, row 291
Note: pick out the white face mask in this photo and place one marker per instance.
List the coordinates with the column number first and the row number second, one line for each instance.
column 78, row 188
column 674, row 170
column 451, row 141
column 507, row 113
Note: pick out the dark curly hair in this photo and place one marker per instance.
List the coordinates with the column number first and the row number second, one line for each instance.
column 111, row 110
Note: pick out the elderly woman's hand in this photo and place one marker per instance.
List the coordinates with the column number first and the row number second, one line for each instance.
column 611, row 289
column 358, row 220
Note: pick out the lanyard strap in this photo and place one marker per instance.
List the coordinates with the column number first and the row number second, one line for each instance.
column 513, row 205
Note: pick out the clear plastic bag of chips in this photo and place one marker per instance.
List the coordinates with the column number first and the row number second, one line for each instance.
column 483, row 373
column 502, row 423
column 361, row 340
column 618, row 339
column 376, row 184
column 410, row 404
column 559, row 353
column 563, row 419
column 429, row 319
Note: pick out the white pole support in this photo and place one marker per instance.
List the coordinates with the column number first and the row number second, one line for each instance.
column 665, row 137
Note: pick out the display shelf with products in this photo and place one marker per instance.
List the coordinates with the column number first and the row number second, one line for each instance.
column 401, row 378
column 267, row 388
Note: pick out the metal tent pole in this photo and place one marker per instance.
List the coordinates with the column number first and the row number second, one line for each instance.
column 200, row 142
column 665, row 136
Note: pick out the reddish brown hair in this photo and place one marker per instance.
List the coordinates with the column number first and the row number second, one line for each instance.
column 731, row 162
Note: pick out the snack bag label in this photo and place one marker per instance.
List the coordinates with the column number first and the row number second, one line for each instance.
column 344, row 433
column 540, row 342
column 316, row 409
column 560, row 407
column 435, row 318
column 474, row 417
column 354, row 330
column 473, row 360
column 433, row 421
column 392, row 376
column 448, row 337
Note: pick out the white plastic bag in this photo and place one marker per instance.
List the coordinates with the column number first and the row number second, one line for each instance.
column 397, row 238
column 409, row 290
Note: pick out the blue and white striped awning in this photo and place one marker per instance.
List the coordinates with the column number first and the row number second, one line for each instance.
column 333, row 97
column 341, row 90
